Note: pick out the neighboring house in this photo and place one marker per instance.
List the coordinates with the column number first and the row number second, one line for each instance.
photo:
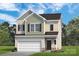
column 38, row 32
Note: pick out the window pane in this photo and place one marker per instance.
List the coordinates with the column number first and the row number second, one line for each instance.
column 38, row 27
column 51, row 27
column 32, row 27
column 20, row 28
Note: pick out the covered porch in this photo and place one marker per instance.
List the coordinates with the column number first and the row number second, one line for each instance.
column 50, row 41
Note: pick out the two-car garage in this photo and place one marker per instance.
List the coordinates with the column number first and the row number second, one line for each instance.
column 28, row 44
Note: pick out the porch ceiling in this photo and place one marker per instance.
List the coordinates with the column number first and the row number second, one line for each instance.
column 51, row 33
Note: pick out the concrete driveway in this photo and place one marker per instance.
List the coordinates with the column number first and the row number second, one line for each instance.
column 18, row 54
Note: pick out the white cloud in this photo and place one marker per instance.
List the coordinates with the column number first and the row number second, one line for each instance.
column 8, row 6
column 40, row 8
column 40, row 12
column 7, row 18
column 43, row 6
column 55, row 6
column 58, row 6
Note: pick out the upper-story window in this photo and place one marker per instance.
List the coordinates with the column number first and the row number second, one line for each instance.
column 34, row 27
column 38, row 27
column 21, row 27
column 51, row 27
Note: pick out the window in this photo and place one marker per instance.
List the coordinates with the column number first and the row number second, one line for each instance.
column 51, row 27
column 34, row 27
column 21, row 27
column 38, row 27
column 55, row 42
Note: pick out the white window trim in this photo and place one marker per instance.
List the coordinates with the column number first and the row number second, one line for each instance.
column 34, row 27
column 53, row 26
column 30, row 28
column 21, row 27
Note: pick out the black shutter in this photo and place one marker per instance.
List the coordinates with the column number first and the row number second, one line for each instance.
column 18, row 27
column 55, row 42
column 23, row 27
column 40, row 28
column 28, row 27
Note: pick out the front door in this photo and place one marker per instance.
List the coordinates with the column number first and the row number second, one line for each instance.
column 48, row 45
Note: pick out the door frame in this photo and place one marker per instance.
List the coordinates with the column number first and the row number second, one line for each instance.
column 47, row 43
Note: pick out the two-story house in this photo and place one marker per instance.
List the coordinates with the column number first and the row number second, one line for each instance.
column 38, row 32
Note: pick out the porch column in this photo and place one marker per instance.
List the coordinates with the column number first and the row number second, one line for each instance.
column 43, row 45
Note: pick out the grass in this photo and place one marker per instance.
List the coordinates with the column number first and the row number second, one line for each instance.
column 67, row 51
column 5, row 49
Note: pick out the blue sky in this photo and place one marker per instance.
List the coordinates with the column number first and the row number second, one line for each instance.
column 11, row 11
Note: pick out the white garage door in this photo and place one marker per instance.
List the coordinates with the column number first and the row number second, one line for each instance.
column 29, row 46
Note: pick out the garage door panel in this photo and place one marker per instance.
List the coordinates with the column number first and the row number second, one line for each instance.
column 30, row 50
column 29, row 46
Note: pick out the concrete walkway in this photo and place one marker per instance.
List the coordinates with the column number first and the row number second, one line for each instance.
column 18, row 54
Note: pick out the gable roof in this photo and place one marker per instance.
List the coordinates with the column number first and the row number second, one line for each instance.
column 37, row 15
column 55, row 16
column 25, row 14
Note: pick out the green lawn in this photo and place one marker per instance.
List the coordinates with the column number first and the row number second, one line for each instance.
column 67, row 51
column 6, row 49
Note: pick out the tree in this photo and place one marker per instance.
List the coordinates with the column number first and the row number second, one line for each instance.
column 64, row 35
column 5, row 35
column 5, row 24
column 72, row 32
column 12, row 31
